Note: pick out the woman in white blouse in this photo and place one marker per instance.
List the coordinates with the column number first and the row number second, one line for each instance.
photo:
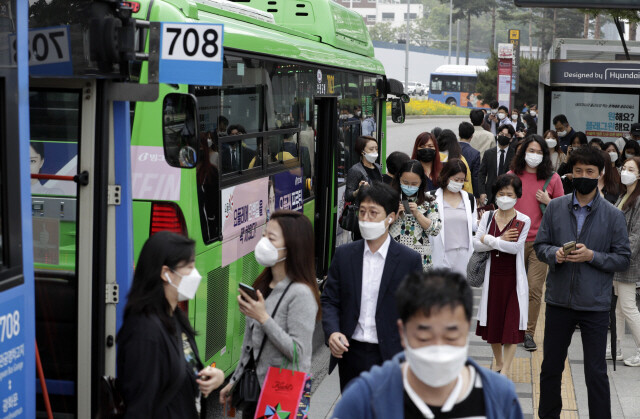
column 453, row 247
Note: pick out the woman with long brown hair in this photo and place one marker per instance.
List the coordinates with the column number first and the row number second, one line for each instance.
column 288, row 282
column 624, row 283
column 425, row 150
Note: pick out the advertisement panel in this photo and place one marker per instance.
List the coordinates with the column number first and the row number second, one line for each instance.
column 244, row 213
column 504, row 82
column 151, row 177
column 286, row 188
column 602, row 115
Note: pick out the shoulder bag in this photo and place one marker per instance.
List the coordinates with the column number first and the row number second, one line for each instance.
column 349, row 217
column 543, row 207
column 247, row 389
column 477, row 266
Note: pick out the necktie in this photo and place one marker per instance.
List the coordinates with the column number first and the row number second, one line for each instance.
column 501, row 167
column 234, row 160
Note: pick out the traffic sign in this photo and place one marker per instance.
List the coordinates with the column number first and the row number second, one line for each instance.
column 191, row 53
column 514, row 39
column 580, row 4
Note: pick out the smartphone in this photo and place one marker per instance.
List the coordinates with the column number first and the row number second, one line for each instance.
column 518, row 225
column 249, row 290
column 405, row 202
column 568, row 248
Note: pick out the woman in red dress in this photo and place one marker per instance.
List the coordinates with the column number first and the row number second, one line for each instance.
column 502, row 314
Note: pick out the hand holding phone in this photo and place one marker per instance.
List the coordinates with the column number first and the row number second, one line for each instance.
column 568, row 247
column 405, row 204
column 249, row 290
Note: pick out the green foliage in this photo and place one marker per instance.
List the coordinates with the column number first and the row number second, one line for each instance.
column 383, row 31
column 487, row 84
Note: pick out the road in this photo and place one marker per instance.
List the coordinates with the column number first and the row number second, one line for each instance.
column 400, row 137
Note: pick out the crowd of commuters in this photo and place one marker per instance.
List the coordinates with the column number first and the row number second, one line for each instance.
column 396, row 308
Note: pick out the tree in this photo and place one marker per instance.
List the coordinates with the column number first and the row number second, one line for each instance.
column 465, row 9
column 384, row 32
column 487, row 84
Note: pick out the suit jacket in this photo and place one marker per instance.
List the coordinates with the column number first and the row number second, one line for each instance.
column 473, row 159
column 342, row 294
column 489, row 168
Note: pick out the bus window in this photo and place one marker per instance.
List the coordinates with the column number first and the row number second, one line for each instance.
column 282, row 147
column 436, row 84
column 239, row 155
column 469, row 84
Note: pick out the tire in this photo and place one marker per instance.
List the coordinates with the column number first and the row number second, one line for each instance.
column 451, row 101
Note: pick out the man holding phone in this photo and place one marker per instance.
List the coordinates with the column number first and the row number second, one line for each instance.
column 584, row 240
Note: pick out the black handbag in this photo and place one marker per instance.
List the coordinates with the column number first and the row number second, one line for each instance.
column 349, row 217
column 111, row 404
column 477, row 266
column 246, row 390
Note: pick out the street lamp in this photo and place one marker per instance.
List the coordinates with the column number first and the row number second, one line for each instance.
column 406, row 50
column 450, row 27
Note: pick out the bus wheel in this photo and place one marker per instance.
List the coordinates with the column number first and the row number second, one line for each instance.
column 451, row 101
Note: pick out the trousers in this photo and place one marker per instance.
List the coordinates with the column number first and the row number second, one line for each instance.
column 536, row 274
column 559, row 327
column 626, row 309
column 360, row 357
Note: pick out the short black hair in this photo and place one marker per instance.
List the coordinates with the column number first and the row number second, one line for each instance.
column 494, row 104
column 361, row 143
column 236, row 127
column 477, row 117
column 504, row 107
column 508, row 179
column 436, row 131
column 633, row 146
column 381, row 194
column 395, row 161
column 38, row 147
column 465, row 130
column 560, row 118
column 508, row 127
column 597, row 141
column 587, row 155
column 421, row 292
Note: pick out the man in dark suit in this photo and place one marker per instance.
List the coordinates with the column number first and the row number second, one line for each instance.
column 359, row 314
column 465, row 133
column 495, row 162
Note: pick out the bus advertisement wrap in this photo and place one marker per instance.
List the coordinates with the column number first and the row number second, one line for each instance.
column 244, row 212
column 151, row 177
column 603, row 115
column 288, row 190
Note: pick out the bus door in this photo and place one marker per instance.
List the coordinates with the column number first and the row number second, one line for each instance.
column 67, row 215
column 326, row 124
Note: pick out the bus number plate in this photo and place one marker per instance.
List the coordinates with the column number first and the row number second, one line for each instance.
column 191, row 53
column 47, row 46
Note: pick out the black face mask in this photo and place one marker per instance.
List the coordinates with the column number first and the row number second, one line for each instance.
column 584, row 185
column 426, row 154
column 503, row 140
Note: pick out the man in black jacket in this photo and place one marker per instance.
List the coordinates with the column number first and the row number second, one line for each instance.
column 580, row 281
column 564, row 130
column 359, row 314
column 495, row 162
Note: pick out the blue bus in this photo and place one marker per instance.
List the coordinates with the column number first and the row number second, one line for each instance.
column 456, row 85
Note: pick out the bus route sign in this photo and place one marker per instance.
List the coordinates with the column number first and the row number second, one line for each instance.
column 191, row 53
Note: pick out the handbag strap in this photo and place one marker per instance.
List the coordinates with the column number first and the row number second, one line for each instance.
column 489, row 219
column 264, row 339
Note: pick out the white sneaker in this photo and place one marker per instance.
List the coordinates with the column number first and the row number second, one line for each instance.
column 634, row 361
column 618, row 354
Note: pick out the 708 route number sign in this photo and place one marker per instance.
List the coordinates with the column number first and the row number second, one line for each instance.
column 191, row 53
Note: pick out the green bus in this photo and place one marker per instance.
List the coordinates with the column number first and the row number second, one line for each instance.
column 273, row 137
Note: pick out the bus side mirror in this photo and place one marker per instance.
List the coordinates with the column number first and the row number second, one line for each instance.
column 397, row 110
column 180, row 130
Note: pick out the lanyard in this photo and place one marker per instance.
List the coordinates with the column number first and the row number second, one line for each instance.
column 422, row 406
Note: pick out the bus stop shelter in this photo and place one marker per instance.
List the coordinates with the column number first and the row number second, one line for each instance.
column 600, row 98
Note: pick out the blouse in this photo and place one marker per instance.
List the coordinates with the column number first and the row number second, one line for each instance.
column 408, row 231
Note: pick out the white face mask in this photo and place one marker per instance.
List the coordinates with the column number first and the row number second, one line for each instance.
column 502, row 115
column 627, row 177
column 371, row 230
column 209, row 142
column 514, row 117
column 455, row 187
column 629, row 156
column 613, row 155
column 505, row 203
column 436, row 365
column 371, row 157
column 266, row 253
column 494, row 111
column 532, row 113
column 188, row 286
column 533, row 159
column 551, row 142
column 562, row 133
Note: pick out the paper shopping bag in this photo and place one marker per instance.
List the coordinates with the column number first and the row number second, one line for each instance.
column 285, row 394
